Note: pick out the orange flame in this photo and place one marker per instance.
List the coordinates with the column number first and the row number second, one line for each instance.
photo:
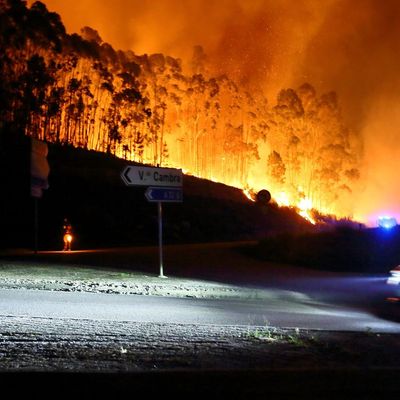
column 249, row 194
column 305, row 207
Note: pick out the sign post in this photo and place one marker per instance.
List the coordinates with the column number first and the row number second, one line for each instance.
column 162, row 195
column 164, row 185
column 160, row 242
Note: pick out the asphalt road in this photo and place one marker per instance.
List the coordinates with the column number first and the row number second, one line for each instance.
column 300, row 297
column 292, row 312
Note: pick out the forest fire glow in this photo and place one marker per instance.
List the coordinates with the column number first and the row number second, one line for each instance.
column 247, row 102
column 282, row 199
column 249, row 194
column 305, row 207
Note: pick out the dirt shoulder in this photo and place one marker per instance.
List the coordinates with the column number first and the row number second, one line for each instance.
column 31, row 274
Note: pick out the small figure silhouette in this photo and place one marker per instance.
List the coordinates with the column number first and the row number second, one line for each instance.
column 67, row 235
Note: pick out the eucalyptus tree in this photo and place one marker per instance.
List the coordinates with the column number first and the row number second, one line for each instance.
column 277, row 168
column 338, row 150
column 314, row 145
column 12, row 41
column 28, row 39
column 152, row 76
column 120, row 115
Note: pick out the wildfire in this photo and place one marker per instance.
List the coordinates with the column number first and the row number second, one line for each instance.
column 157, row 110
column 282, row 199
column 248, row 193
column 305, row 206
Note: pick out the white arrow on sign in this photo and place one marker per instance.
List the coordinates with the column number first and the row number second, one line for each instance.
column 151, row 176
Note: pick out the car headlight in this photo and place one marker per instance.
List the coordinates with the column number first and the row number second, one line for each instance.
column 394, row 279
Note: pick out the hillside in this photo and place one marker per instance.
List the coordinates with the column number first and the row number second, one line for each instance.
column 86, row 187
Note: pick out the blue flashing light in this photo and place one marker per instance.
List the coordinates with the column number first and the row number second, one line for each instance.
column 387, row 222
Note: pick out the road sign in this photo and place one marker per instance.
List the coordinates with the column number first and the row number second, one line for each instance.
column 164, row 186
column 151, row 176
column 39, row 167
column 164, row 194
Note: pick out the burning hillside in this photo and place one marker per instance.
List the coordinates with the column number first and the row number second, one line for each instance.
column 206, row 112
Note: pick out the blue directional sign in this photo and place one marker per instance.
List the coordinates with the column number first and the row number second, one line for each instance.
column 164, row 194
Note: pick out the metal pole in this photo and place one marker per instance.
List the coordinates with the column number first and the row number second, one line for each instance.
column 160, row 240
column 36, row 223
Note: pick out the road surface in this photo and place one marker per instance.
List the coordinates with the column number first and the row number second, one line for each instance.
column 292, row 312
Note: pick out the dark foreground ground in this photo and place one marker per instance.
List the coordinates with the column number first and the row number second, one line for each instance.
column 243, row 384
